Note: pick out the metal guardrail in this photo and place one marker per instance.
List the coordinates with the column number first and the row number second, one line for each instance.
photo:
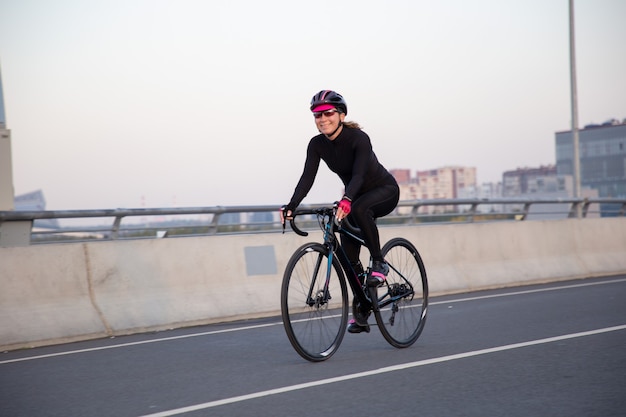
column 196, row 221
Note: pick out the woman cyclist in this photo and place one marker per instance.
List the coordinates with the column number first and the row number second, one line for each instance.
column 370, row 190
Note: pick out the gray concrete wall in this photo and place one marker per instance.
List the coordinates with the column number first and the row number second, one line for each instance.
column 62, row 292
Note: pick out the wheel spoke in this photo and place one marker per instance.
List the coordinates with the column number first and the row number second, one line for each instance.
column 403, row 301
column 314, row 314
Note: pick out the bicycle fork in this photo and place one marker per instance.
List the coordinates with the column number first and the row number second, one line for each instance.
column 322, row 296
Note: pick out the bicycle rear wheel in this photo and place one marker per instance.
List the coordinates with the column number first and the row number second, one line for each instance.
column 403, row 299
column 315, row 315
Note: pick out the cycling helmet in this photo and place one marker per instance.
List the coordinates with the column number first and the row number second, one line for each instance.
column 327, row 99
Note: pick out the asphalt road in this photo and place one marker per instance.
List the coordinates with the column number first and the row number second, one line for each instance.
column 546, row 350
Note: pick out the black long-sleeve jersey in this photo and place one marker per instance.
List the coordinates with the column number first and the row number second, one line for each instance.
column 351, row 157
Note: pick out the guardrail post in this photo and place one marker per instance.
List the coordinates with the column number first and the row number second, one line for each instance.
column 525, row 211
column 413, row 217
column 116, row 227
column 573, row 213
column 473, row 209
column 585, row 209
column 214, row 224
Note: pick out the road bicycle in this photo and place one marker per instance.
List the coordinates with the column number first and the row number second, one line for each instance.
column 314, row 296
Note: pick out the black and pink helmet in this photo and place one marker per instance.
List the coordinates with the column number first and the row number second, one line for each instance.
column 328, row 99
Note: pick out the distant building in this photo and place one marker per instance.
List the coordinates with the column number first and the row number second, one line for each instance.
column 533, row 182
column 229, row 218
column 529, row 180
column 486, row 190
column 261, row 217
column 403, row 176
column 602, row 151
column 441, row 183
column 490, row 190
column 544, row 183
column 35, row 201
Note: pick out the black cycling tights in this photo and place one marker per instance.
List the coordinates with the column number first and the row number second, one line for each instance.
column 365, row 209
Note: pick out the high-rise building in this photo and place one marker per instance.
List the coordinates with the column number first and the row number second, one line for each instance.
column 602, row 152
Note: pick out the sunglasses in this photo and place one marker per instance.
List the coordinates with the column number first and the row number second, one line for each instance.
column 327, row 113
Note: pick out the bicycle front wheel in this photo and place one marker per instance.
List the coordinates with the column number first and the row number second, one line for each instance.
column 403, row 299
column 314, row 302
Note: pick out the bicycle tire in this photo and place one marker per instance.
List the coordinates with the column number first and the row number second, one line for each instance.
column 401, row 321
column 315, row 326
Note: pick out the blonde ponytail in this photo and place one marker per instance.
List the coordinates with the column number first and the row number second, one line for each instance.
column 351, row 125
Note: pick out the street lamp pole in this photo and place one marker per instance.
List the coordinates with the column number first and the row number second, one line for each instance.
column 574, row 97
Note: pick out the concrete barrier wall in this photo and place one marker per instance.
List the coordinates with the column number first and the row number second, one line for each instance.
column 45, row 295
column 57, row 293
column 486, row 255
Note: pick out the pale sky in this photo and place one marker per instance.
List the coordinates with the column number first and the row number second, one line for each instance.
column 131, row 103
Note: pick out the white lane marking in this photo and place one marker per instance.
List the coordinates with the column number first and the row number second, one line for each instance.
column 235, row 329
column 508, row 294
column 379, row 371
column 142, row 342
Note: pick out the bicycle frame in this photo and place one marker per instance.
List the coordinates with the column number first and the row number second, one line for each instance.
column 330, row 230
column 366, row 299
